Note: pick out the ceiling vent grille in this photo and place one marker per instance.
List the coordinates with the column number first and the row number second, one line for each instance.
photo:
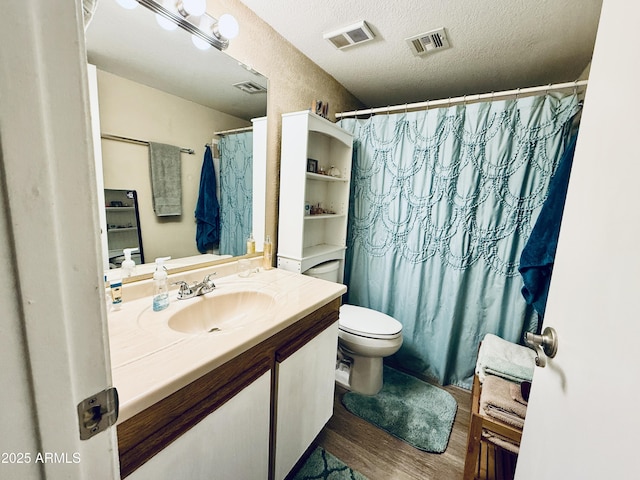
column 429, row 42
column 348, row 36
column 250, row 87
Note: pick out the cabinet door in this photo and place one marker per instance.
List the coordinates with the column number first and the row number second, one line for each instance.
column 232, row 442
column 305, row 387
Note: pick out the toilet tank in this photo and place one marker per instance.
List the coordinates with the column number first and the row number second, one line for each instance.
column 325, row 271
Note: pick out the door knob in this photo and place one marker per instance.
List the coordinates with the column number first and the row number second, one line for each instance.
column 545, row 345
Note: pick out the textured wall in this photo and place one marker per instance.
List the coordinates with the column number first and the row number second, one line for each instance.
column 294, row 82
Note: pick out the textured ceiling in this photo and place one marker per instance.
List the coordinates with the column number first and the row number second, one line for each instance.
column 496, row 44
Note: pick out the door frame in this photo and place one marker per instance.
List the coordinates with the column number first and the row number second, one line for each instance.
column 57, row 343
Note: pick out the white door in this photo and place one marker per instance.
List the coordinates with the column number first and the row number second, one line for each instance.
column 583, row 417
column 53, row 342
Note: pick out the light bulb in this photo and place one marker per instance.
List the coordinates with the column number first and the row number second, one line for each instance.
column 228, row 26
column 128, row 4
column 165, row 22
column 200, row 43
column 192, row 7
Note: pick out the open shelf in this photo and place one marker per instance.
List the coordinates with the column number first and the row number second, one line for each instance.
column 324, row 178
column 323, row 216
column 305, row 241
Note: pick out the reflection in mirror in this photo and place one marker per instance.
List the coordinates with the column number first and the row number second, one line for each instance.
column 153, row 85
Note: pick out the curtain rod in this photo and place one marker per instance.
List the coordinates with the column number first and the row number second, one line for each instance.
column 118, row 138
column 235, row 130
column 467, row 99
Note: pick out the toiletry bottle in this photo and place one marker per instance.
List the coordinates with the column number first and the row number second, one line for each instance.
column 107, row 296
column 115, row 285
column 128, row 266
column 160, row 286
column 267, row 253
column 251, row 244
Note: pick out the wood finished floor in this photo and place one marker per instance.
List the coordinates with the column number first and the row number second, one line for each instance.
column 380, row 456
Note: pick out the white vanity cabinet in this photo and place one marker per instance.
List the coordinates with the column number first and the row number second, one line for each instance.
column 304, row 398
column 231, row 442
column 313, row 206
column 250, row 418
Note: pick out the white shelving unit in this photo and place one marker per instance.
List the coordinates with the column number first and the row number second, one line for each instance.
column 122, row 225
column 306, row 240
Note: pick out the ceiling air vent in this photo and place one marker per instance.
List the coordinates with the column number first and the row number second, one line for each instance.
column 352, row 35
column 250, row 87
column 429, row 42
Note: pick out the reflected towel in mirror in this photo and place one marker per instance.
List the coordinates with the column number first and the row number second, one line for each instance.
column 207, row 209
column 166, row 179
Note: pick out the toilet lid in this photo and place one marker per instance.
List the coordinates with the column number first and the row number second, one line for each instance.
column 368, row 323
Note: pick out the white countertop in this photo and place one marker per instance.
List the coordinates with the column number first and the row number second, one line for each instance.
column 150, row 361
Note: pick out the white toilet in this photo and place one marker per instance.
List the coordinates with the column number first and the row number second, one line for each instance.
column 365, row 336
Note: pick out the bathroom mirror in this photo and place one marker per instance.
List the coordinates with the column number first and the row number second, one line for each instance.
column 155, row 85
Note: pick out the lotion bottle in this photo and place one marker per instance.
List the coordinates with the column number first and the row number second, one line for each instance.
column 251, row 244
column 128, row 266
column 115, row 285
column 267, row 254
column 160, row 285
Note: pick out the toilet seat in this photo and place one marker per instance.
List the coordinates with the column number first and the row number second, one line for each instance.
column 368, row 323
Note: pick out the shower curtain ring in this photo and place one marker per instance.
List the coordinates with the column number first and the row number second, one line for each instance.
column 575, row 87
column 517, row 93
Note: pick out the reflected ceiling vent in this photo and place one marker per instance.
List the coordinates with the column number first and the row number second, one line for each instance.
column 429, row 42
column 250, row 87
column 348, row 36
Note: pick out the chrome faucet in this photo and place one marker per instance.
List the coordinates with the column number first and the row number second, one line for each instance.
column 197, row 289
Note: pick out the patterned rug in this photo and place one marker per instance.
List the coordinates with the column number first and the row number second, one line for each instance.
column 408, row 408
column 322, row 465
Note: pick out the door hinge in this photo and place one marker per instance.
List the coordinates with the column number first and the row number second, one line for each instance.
column 97, row 413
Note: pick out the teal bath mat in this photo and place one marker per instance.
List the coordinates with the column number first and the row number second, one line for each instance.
column 408, row 408
column 322, row 465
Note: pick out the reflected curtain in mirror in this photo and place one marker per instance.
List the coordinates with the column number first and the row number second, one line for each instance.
column 236, row 197
column 443, row 202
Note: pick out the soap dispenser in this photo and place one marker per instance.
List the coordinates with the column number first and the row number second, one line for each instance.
column 128, row 266
column 160, row 285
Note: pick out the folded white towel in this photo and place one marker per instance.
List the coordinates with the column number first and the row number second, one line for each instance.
column 501, row 441
column 505, row 359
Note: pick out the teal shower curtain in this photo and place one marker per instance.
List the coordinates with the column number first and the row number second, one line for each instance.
column 442, row 204
column 236, row 194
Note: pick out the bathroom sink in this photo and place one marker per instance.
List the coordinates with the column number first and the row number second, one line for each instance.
column 221, row 312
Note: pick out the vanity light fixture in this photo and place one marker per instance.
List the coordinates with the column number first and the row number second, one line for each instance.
column 205, row 25
column 163, row 21
column 128, row 4
column 227, row 26
column 192, row 7
column 190, row 15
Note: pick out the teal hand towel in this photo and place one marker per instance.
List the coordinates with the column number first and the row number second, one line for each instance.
column 166, row 179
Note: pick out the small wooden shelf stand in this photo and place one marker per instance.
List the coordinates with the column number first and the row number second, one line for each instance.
column 478, row 423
